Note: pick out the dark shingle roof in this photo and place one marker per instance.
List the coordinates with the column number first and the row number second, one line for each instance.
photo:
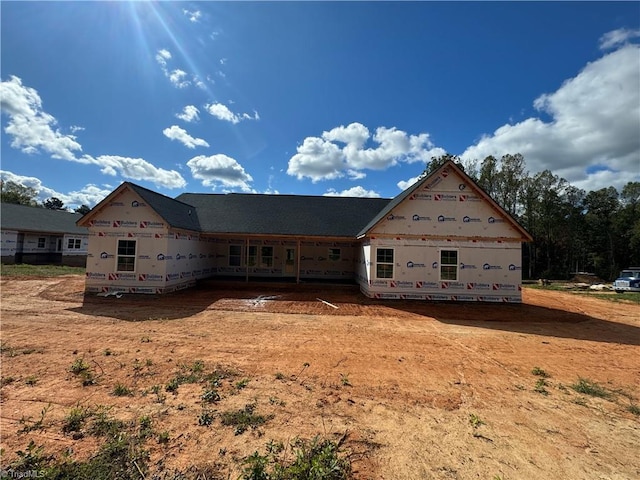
column 33, row 219
column 176, row 213
column 283, row 214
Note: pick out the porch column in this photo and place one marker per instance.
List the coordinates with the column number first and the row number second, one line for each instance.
column 246, row 260
column 298, row 262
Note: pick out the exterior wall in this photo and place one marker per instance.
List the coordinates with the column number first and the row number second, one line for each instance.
column 127, row 218
column 487, row 271
column 315, row 259
column 8, row 246
column 445, row 213
column 446, row 207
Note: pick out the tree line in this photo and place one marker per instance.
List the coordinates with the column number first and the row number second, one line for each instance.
column 12, row 192
column 573, row 230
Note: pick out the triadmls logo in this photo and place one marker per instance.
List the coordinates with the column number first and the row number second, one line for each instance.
column 495, row 220
column 468, row 219
column 419, row 218
column 513, row 267
column 442, row 218
column 410, row 264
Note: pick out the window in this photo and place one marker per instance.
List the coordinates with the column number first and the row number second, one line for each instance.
column 266, row 256
column 334, row 254
column 449, row 265
column 74, row 244
column 252, row 256
column 235, row 255
column 384, row 263
column 126, row 256
column 42, row 242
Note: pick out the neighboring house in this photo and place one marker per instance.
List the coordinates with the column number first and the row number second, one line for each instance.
column 41, row 236
column 441, row 239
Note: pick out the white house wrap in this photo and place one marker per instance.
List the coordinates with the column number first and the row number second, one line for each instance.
column 441, row 239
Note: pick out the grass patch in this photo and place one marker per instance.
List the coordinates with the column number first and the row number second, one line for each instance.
column 587, row 387
column 121, row 390
column 537, row 371
column 25, row 270
column 308, row 459
column 243, row 419
column 635, row 409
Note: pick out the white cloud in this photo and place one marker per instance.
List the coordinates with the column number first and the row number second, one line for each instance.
column 617, row 37
column 221, row 170
column 404, row 184
column 176, row 133
column 162, row 56
column 177, row 78
column 189, row 114
column 194, row 16
column 595, row 120
column 222, row 112
column 76, row 128
column 31, row 128
column 321, row 158
column 89, row 195
column 352, row 192
column 139, row 169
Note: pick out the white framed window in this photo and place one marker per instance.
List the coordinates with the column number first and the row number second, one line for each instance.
column 74, row 243
column 42, row 242
column 266, row 256
column 126, row 258
column 384, row 263
column 335, row 254
column 235, row 255
column 449, row 265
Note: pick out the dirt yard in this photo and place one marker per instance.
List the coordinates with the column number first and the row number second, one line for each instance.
column 416, row 390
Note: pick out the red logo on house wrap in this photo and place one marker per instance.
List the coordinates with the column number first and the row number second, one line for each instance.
column 445, row 173
column 116, row 223
column 113, row 276
column 462, row 198
column 437, row 197
column 142, row 277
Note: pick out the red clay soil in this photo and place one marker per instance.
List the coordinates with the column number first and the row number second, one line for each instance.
column 401, row 381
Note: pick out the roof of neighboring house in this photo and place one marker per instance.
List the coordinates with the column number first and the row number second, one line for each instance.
column 283, row 214
column 23, row 218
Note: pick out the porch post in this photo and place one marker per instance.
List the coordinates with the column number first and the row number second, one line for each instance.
column 298, row 262
column 246, row 260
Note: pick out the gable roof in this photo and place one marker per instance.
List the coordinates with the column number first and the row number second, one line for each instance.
column 176, row 213
column 526, row 236
column 283, row 214
column 24, row 218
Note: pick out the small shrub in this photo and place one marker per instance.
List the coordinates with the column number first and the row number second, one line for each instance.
column 242, row 383
column 74, row 422
column 344, row 380
column 121, row 390
column 206, row 418
column 6, row 381
column 172, row 386
column 243, row 419
column 29, row 426
column 539, row 372
column 540, row 387
column 79, row 366
column 163, row 437
column 280, row 376
column 146, row 429
column 475, row 421
column 31, row 381
column 106, row 426
column 587, row 387
column 210, row 396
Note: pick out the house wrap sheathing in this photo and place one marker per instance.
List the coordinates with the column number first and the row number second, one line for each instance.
column 441, row 239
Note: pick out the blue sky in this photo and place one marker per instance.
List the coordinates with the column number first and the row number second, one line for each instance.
column 326, row 98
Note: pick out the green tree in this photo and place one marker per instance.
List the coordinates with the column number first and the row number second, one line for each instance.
column 83, row 209
column 16, row 193
column 437, row 162
column 53, row 203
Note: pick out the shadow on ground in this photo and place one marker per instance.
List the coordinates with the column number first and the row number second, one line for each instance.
column 307, row 299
